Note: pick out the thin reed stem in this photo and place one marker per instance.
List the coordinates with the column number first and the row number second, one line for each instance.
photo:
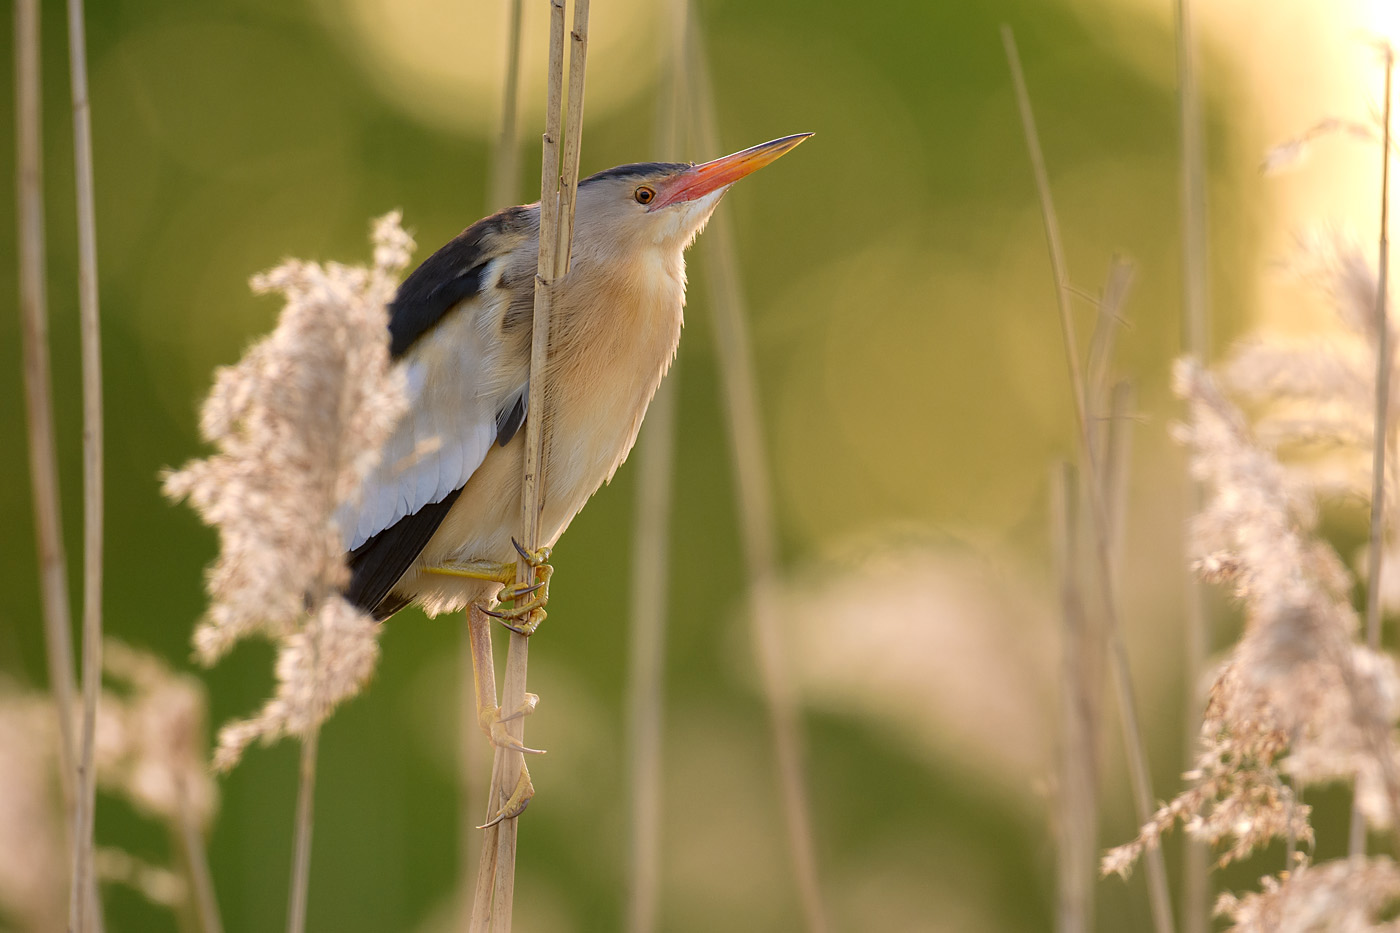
column 501, row 191
column 755, row 509
column 556, row 242
column 301, row 852
column 38, row 387
column 647, row 654
column 1195, row 333
column 1076, row 816
column 1381, row 440
column 505, row 161
column 190, row 838
column 649, row 576
column 82, row 915
column 1158, row 891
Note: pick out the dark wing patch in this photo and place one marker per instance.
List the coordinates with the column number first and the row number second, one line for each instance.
column 450, row 276
column 378, row 564
column 512, row 416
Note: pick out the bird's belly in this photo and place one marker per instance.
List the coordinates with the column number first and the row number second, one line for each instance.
column 596, row 409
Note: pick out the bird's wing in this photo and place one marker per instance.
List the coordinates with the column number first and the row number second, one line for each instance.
column 466, row 390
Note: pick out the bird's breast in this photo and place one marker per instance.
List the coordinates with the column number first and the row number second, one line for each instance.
column 610, row 348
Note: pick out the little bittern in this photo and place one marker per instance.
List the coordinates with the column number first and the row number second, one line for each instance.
column 433, row 523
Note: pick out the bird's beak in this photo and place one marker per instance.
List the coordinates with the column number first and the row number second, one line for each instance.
column 699, row 180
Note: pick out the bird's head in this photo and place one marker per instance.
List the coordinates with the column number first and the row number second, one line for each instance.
column 663, row 204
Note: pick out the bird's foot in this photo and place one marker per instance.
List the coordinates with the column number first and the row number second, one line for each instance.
column 528, row 600
column 493, row 719
column 517, row 802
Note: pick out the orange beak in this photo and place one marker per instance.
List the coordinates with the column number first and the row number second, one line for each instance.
column 699, row 180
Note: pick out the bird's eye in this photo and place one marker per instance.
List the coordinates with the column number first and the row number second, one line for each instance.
column 644, row 194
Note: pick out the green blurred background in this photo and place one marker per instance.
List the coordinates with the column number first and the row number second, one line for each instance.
column 913, row 391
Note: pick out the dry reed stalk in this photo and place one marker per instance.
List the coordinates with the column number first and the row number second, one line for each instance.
column 650, row 564
column 1195, row 338
column 1083, row 657
column 38, row 387
column 82, row 915
column 501, row 191
column 505, row 161
column 755, row 510
column 1077, row 815
column 1158, row 892
column 191, row 844
column 301, row 853
column 1381, row 440
column 557, row 197
column 647, row 653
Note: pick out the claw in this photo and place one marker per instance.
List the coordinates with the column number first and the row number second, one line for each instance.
column 535, row 558
column 518, row 801
column 493, row 724
column 533, row 616
column 515, row 591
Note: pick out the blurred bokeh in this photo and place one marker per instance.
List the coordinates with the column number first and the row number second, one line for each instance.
column 913, row 390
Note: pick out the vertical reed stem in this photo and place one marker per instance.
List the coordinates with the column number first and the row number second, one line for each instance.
column 756, row 514
column 201, row 881
column 1158, row 891
column 82, row 916
column 38, row 388
column 650, row 564
column 505, row 161
column 1195, row 338
column 556, row 241
column 501, row 192
column 301, row 853
column 1382, row 424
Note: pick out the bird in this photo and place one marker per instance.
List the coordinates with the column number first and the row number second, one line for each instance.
column 433, row 522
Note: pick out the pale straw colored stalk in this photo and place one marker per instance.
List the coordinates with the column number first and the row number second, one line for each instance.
column 501, row 192
column 301, row 853
column 1076, row 817
column 1195, row 333
column 756, row 513
column 82, row 916
column 1082, row 667
column 1158, row 892
column 649, row 576
column 191, row 843
column 38, row 388
column 1381, row 440
column 557, row 198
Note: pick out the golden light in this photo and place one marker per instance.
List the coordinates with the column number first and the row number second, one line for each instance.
column 442, row 62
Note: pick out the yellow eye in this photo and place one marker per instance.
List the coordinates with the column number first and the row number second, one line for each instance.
column 644, row 194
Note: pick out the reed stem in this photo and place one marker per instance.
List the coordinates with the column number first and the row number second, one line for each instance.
column 82, row 913
column 301, row 852
column 1381, row 441
column 650, row 566
column 1195, row 329
column 1158, row 891
column 755, row 508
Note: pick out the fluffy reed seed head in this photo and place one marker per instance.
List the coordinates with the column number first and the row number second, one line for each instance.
column 1298, row 695
column 297, row 425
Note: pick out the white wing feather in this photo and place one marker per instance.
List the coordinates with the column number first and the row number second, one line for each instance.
column 442, row 439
